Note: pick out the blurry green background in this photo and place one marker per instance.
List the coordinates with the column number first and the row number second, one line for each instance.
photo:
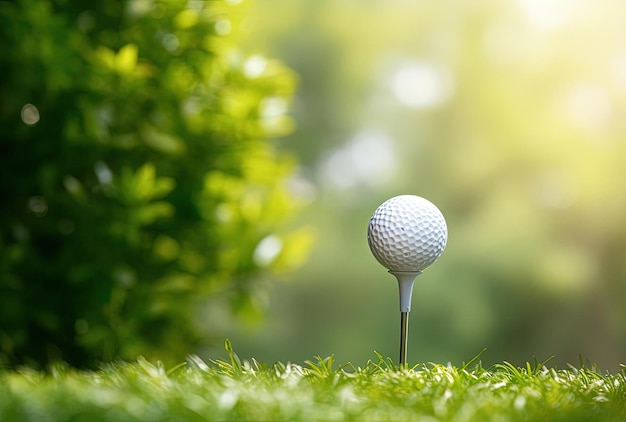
column 508, row 115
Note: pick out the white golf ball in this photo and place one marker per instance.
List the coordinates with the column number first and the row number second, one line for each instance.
column 407, row 233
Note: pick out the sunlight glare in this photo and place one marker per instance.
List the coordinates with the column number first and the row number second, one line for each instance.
column 421, row 86
column 367, row 159
column 547, row 14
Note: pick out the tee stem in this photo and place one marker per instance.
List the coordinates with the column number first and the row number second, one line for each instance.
column 404, row 336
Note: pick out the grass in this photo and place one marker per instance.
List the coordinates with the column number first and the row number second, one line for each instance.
column 318, row 391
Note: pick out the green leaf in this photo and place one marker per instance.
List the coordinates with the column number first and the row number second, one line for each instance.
column 163, row 142
column 149, row 213
column 143, row 185
column 126, row 59
column 186, row 19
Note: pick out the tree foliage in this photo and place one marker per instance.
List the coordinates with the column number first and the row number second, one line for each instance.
column 136, row 176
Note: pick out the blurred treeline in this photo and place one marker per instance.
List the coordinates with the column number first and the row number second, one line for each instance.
column 140, row 202
column 509, row 115
column 136, row 177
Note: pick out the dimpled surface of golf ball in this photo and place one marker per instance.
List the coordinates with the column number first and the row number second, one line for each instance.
column 407, row 233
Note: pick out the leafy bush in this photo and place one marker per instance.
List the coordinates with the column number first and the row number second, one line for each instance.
column 136, row 177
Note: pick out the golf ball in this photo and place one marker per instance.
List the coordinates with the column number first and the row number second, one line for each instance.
column 407, row 233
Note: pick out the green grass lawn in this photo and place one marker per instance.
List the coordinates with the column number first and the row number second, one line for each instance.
column 248, row 390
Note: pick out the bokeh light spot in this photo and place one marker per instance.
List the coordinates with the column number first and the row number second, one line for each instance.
column 223, row 27
column 302, row 189
column 547, row 14
column 267, row 250
column 38, row 206
column 273, row 106
column 588, row 105
column 421, row 86
column 30, row 114
column 170, row 42
column 66, row 227
column 81, row 326
column 103, row 173
column 368, row 158
column 254, row 66
column 553, row 191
